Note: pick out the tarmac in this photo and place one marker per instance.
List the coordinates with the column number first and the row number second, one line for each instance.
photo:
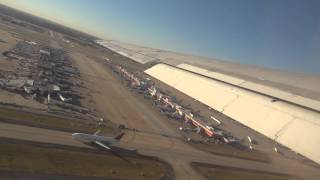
column 172, row 150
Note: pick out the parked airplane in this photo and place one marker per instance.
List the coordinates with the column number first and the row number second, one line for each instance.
column 95, row 139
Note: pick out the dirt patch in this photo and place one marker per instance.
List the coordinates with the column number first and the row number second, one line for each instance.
column 229, row 173
column 17, row 99
column 229, row 151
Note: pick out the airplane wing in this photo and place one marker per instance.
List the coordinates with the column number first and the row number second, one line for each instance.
column 102, row 145
column 111, row 150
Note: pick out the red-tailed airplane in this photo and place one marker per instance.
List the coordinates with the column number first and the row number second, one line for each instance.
column 95, row 139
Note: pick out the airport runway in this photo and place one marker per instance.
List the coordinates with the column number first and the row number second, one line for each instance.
column 178, row 155
column 37, row 134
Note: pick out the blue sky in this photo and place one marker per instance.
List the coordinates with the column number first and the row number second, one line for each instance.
column 282, row 34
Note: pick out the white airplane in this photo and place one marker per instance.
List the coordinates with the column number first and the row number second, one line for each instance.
column 95, row 139
column 63, row 99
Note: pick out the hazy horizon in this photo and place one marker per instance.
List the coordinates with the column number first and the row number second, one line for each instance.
column 280, row 35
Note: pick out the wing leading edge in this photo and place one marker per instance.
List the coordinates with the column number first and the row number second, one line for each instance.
column 102, row 145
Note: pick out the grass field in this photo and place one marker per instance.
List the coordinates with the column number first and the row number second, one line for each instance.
column 45, row 121
column 57, row 161
column 228, row 173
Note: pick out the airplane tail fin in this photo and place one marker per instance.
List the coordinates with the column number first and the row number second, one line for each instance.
column 118, row 137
